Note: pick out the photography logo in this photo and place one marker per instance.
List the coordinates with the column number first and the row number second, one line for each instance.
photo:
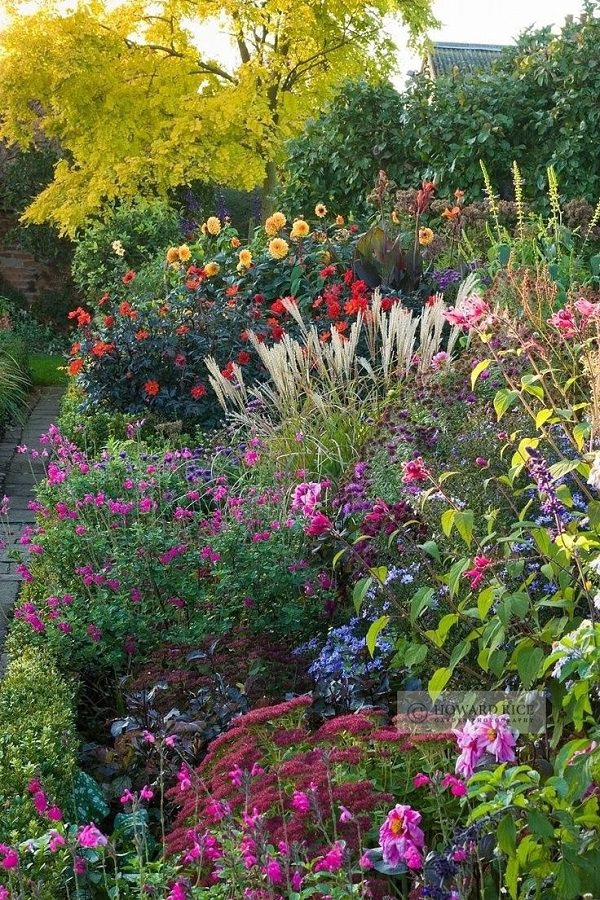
column 419, row 714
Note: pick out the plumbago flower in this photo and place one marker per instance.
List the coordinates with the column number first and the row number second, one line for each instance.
column 485, row 735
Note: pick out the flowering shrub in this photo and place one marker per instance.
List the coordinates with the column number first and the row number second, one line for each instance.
column 271, row 798
column 141, row 548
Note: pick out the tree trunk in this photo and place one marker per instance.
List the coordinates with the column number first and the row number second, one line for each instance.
column 268, row 189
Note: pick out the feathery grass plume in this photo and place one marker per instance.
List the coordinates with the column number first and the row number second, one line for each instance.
column 518, row 186
column 492, row 198
column 554, row 221
column 330, row 392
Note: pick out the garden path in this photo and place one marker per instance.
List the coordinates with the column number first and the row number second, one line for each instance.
column 18, row 476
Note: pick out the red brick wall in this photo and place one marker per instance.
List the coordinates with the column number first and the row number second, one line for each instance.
column 20, row 270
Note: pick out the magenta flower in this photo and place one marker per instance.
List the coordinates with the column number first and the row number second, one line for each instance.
column 56, row 841
column 414, row 471
column 318, row 525
column 91, row 837
column 564, row 321
column 420, row 780
column 54, row 814
column 301, row 801
column 457, row 787
column 273, row 871
column 476, row 575
column 345, row 815
column 183, row 777
column 146, row 793
column 401, row 838
column 306, row 496
column 333, row 859
column 177, row 892
column 10, row 858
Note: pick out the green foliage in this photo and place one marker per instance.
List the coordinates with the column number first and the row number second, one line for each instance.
column 37, row 740
column 14, row 379
column 143, row 229
column 28, row 173
column 529, row 107
column 47, row 370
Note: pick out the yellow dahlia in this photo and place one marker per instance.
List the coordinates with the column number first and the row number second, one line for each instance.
column 275, row 223
column 320, row 210
column 185, row 253
column 278, row 248
column 339, row 220
column 245, row 258
column 212, row 268
column 173, row 255
column 425, row 237
column 300, row 229
column 235, row 242
column 213, row 225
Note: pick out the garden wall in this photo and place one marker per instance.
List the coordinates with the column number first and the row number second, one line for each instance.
column 20, row 270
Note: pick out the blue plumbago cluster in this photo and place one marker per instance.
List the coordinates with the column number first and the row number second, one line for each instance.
column 345, row 653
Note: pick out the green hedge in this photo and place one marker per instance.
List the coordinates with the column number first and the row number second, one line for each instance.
column 37, row 739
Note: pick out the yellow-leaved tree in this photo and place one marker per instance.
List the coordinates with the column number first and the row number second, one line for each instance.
column 137, row 106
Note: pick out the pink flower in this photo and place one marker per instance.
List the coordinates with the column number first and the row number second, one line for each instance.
column 413, row 858
column 94, row 632
column 459, row 855
column 564, row 321
column 54, row 814
column 237, row 776
column 273, row 871
column 400, row 836
column 90, row 836
column 318, row 525
column 177, row 892
column 183, row 777
column 333, row 859
column 486, row 734
column 40, row 802
column 414, row 471
column 439, row 360
column 476, row 575
column 148, row 737
column 251, row 457
column 306, row 496
column 420, row 780
column 587, row 309
column 457, row 787
column 296, row 882
column 56, row 841
column 301, row 801
column 146, row 793
column 365, row 862
column 10, row 858
column 127, row 797
column 346, row 815
column 469, row 313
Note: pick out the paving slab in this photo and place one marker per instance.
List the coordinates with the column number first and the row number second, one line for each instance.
column 18, row 477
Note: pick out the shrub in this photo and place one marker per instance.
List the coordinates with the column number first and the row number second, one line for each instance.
column 128, row 239
column 141, row 549
column 37, row 740
column 306, row 791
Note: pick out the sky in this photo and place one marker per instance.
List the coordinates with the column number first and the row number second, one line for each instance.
column 471, row 21
column 487, row 22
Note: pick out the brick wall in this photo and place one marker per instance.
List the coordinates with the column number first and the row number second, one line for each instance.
column 20, row 270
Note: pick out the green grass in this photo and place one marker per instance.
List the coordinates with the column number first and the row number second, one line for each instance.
column 47, row 369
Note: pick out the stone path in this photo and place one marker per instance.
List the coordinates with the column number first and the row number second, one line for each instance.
column 18, row 476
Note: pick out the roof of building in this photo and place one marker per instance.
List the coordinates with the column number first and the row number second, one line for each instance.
column 446, row 56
